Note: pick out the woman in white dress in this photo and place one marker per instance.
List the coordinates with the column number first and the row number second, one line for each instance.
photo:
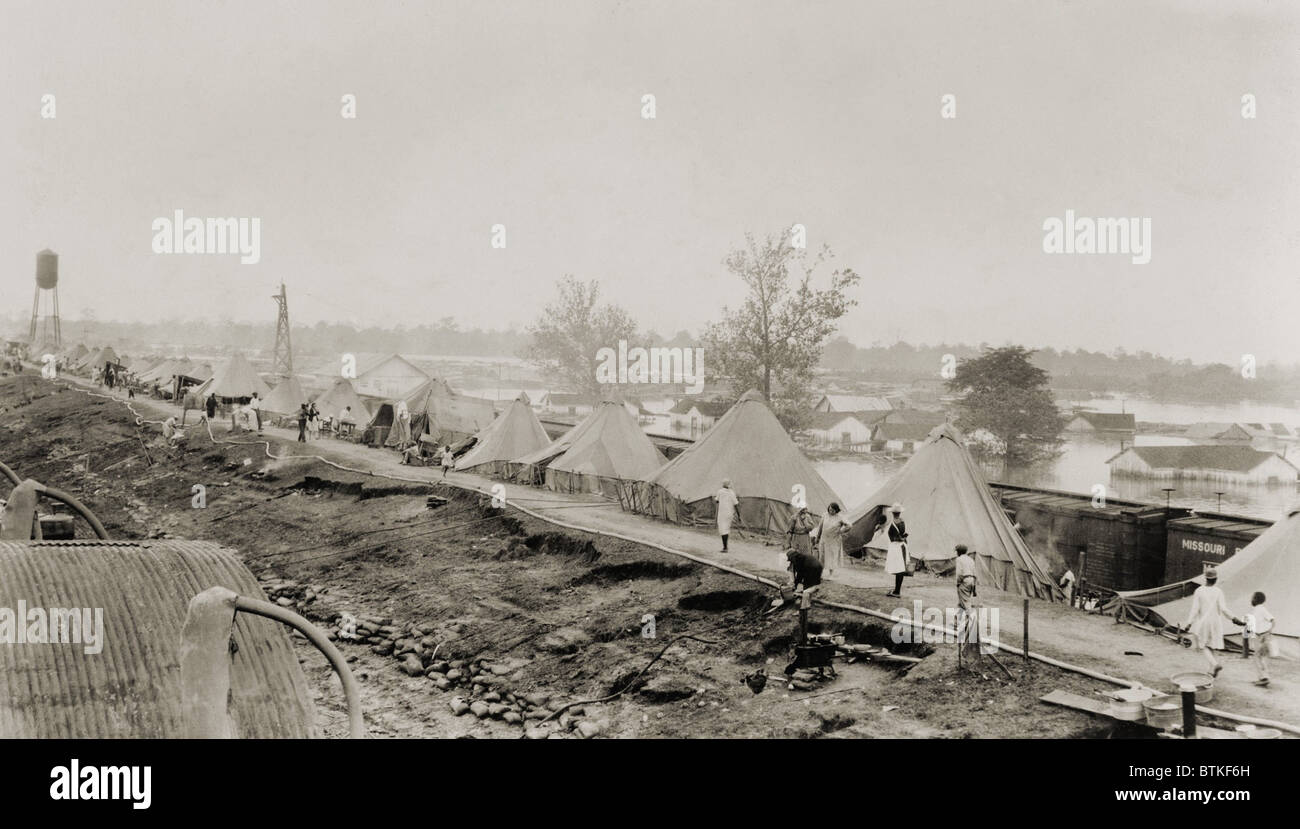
column 829, row 538
column 1205, row 619
column 727, row 504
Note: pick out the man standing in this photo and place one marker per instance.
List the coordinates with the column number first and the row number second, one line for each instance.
column 302, row 422
column 727, row 504
column 966, row 578
column 256, row 405
column 966, row 584
column 210, row 406
column 1205, row 619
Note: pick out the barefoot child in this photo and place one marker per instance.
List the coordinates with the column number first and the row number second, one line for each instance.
column 1259, row 627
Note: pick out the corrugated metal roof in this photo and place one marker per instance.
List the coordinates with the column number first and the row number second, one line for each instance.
column 132, row 687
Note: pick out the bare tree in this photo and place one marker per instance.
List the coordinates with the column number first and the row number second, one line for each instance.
column 774, row 339
column 566, row 337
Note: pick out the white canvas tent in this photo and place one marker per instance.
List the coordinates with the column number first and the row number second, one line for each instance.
column 946, row 502
column 612, row 450
column 749, row 446
column 516, row 432
column 1270, row 564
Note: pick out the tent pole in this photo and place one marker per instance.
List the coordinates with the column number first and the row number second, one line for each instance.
column 1026, row 620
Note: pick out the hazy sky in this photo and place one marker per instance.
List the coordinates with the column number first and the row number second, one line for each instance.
column 528, row 114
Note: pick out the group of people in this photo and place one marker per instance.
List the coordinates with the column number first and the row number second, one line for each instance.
column 443, row 456
column 308, row 422
column 823, row 540
column 1205, row 625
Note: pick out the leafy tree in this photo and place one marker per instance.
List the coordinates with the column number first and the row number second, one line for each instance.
column 774, row 339
column 571, row 330
column 1007, row 396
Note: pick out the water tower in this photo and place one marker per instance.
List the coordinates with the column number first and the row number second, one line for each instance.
column 45, row 305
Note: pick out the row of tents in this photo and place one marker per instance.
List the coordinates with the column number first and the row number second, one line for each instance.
column 608, row 454
column 946, row 499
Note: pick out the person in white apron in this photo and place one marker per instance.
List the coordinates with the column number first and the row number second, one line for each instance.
column 727, row 505
column 896, row 557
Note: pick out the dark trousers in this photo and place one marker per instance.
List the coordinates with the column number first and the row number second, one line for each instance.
column 258, row 412
column 302, row 431
column 898, row 582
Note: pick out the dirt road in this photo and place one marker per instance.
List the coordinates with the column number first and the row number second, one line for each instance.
column 571, row 615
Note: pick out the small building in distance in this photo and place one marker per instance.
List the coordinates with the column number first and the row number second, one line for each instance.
column 566, row 403
column 899, row 437
column 1225, row 464
column 580, row 405
column 850, row 403
column 1082, row 421
column 694, row 417
column 850, row 431
column 1218, row 431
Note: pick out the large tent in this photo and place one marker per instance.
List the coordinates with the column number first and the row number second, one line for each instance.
column 286, row 398
column 516, row 432
column 1270, row 564
column 76, row 353
column 749, row 446
column 160, row 373
column 945, row 503
column 612, row 450
column 530, row 467
column 235, row 380
column 89, row 361
column 441, row 413
column 339, row 398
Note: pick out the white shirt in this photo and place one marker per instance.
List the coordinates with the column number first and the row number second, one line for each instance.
column 1258, row 621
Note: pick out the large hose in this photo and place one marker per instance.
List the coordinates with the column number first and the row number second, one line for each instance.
column 77, row 507
column 59, row 495
column 1047, row 660
column 351, row 691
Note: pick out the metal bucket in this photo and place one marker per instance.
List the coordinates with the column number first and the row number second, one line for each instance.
column 1203, row 683
column 1163, row 712
column 1127, row 704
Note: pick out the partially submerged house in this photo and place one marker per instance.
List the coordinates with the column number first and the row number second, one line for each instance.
column 695, row 417
column 841, row 430
column 1082, row 421
column 1225, row 464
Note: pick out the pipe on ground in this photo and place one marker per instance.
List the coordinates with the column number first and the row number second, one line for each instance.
column 1241, row 718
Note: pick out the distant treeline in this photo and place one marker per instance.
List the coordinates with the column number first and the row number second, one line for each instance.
column 1078, row 370
column 322, row 338
column 1086, row 371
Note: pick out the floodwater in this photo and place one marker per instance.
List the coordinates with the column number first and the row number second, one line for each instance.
column 1082, row 466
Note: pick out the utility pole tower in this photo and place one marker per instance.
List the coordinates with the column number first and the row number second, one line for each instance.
column 282, row 363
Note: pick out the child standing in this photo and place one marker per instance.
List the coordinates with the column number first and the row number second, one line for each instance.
column 1259, row 627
